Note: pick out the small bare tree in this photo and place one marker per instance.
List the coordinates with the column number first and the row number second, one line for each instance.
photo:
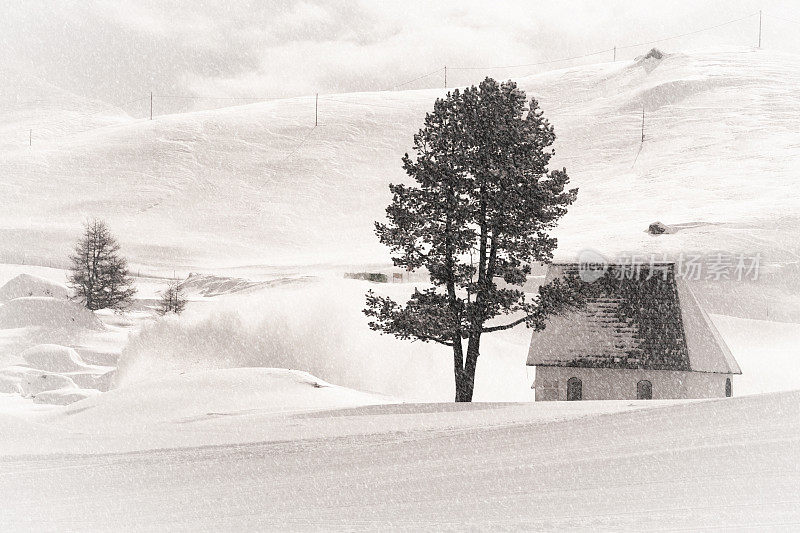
column 99, row 274
column 172, row 300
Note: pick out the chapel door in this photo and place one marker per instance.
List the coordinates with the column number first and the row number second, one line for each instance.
column 644, row 390
column 574, row 389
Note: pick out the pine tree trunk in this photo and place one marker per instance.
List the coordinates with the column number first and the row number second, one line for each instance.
column 465, row 368
column 464, row 387
column 470, row 364
column 464, row 379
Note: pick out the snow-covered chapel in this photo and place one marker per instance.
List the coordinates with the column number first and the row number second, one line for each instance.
column 643, row 336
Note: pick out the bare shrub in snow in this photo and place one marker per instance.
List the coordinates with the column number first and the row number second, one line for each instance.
column 172, row 300
column 99, row 274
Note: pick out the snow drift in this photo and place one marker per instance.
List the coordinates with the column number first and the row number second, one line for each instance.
column 199, row 395
column 56, row 388
column 66, row 362
column 319, row 328
column 27, row 285
column 29, row 382
column 48, row 313
column 64, row 396
column 54, row 358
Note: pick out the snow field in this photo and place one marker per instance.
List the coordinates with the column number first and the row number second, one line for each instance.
column 721, row 464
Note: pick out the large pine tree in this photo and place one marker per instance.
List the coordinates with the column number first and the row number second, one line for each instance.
column 99, row 275
column 481, row 210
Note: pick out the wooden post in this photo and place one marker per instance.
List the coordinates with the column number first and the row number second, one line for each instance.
column 642, row 123
column 445, row 76
column 615, row 53
column 151, row 105
column 759, row 28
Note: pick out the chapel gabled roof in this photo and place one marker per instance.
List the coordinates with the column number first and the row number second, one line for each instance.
column 640, row 317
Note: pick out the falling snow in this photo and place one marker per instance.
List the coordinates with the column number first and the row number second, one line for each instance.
column 269, row 404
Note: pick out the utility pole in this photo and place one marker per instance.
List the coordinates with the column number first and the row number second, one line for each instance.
column 316, row 109
column 759, row 28
column 642, row 124
column 151, row 105
column 445, row 76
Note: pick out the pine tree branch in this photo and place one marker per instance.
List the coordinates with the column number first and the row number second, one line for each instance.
column 506, row 326
column 424, row 338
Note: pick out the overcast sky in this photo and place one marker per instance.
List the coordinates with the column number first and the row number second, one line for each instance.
column 119, row 50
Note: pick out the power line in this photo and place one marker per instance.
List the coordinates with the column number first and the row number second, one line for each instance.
column 252, row 98
column 606, row 50
column 40, row 100
column 366, row 105
column 289, row 155
column 535, row 64
column 691, row 32
column 299, row 145
column 83, row 115
column 119, row 105
column 781, row 18
column 419, row 77
column 431, row 73
column 132, row 101
column 21, row 104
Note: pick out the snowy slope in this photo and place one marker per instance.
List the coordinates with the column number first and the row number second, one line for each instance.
column 242, row 405
column 766, row 351
column 261, row 184
column 725, row 464
column 33, row 111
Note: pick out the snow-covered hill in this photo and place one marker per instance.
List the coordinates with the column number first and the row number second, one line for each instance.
column 259, row 184
column 726, row 464
column 34, row 111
